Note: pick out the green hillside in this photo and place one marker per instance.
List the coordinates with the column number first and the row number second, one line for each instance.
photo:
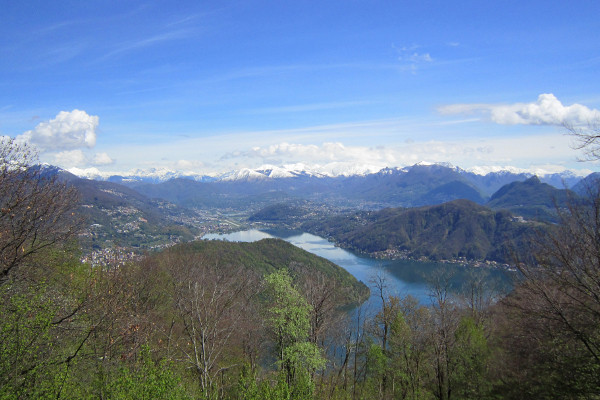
column 451, row 230
column 532, row 199
column 116, row 215
column 269, row 255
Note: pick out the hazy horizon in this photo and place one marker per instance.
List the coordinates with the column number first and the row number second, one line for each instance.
column 112, row 87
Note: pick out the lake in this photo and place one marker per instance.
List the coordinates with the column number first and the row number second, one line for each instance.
column 403, row 277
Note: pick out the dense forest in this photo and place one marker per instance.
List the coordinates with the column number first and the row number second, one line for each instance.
column 211, row 320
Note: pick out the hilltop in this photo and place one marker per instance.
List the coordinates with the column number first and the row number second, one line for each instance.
column 269, row 255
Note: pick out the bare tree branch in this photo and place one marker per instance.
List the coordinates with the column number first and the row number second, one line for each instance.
column 587, row 138
column 36, row 210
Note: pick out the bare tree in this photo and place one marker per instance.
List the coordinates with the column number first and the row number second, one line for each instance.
column 446, row 318
column 389, row 308
column 479, row 293
column 588, row 139
column 36, row 210
column 552, row 327
column 324, row 298
column 212, row 303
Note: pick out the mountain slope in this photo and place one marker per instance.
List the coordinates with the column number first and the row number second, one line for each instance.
column 587, row 185
column 268, row 255
column 120, row 216
column 451, row 230
column 532, row 199
column 451, row 191
column 417, row 185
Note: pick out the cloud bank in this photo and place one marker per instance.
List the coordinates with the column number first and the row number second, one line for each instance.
column 311, row 153
column 77, row 158
column 69, row 130
column 547, row 110
column 523, row 151
column 101, row 159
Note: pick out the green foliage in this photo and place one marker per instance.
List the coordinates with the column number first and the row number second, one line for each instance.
column 288, row 317
column 288, row 311
column 376, row 362
column 471, row 357
column 25, row 333
column 269, row 255
column 33, row 349
column 247, row 385
column 146, row 379
column 304, row 356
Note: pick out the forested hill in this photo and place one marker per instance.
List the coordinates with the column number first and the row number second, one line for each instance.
column 451, row 230
column 533, row 199
column 269, row 255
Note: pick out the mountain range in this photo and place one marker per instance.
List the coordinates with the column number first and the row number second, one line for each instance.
column 390, row 187
column 490, row 180
column 133, row 212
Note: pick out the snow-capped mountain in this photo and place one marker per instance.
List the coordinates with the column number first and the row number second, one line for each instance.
column 487, row 178
column 150, row 175
column 332, row 170
column 245, row 174
column 365, row 187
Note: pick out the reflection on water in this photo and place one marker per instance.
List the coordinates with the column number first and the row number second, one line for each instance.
column 403, row 277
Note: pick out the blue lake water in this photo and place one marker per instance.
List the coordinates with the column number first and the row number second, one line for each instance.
column 402, row 277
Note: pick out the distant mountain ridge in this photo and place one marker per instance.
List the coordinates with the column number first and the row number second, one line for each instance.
column 489, row 182
column 420, row 201
column 419, row 185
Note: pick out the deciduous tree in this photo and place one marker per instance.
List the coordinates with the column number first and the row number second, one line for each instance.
column 36, row 210
column 288, row 316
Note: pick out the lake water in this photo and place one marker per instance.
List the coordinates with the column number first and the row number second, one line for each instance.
column 403, row 277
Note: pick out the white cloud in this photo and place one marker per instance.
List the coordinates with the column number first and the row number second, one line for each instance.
column 188, row 165
column 323, row 154
column 102, row 159
column 522, row 151
column 77, row 158
column 69, row 130
column 70, row 158
column 416, row 57
column 410, row 59
column 547, row 110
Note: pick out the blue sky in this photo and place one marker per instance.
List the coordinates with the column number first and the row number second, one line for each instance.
column 206, row 87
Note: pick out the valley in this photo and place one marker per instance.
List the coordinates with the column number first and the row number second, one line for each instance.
column 424, row 212
column 219, row 273
column 330, row 277
column 292, row 200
